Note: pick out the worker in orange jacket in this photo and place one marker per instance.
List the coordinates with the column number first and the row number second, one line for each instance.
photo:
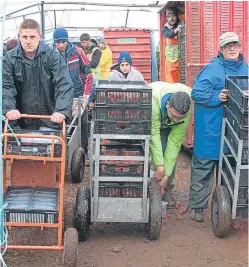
column 171, row 31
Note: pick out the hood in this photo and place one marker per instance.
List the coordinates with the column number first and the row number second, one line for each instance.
column 230, row 64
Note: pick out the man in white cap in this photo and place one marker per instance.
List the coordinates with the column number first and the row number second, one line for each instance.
column 209, row 95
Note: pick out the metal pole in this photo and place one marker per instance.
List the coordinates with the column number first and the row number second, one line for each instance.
column 42, row 20
column 127, row 15
column 55, row 22
column 1, row 159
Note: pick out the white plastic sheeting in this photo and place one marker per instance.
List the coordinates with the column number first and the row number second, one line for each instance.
column 79, row 18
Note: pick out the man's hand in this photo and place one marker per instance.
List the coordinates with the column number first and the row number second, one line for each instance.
column 159, row 173
column 91, row 105
column 13, row 115
column 163, row 184
column 57, row 117
column 223, row 95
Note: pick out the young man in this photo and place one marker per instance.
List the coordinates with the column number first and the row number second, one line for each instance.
column 93, row 53
column 170, row 118
column 171, row 31
column 124, row 71
column 36, row 80
column 81, row 74
column 106, row 58
column 209, row 95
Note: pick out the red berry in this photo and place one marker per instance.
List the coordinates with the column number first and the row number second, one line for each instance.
column 183, row 210
column 177, row 206
column 169, row 216
column 178, row 217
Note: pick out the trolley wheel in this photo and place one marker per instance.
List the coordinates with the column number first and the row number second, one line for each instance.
column 78, row 165
column 70, row 248
column 153, row 227
column 221, row 211
column 82, row 213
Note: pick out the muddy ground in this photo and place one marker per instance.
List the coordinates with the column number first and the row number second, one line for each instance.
column 183, row 242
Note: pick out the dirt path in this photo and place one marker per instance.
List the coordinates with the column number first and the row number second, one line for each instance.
column 183, row 243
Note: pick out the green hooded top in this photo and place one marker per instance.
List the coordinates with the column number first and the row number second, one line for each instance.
column 168, row 157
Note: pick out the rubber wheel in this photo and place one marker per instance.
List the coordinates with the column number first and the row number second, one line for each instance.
column 78, row 165
column 153, row 227
column 70, row 248
column 82, row 213
column 221, row 211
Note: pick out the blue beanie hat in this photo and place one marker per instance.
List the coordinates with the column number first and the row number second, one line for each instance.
column 124, row 56
column 60, row 34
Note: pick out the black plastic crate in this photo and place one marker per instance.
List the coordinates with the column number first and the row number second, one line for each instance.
column 125, row 190
column 121, row 168
column 234, row 143
column 243, row 180
column 242, row 132
column 242, row 211
column 123, row 113
column 121, row 150
column 31, row 205
column 238, row 88
column 34, row 146
column 237, row 111
column 134, row 127
column 124, row 92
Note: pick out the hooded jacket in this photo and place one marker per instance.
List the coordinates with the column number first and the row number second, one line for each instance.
column 208, row 111
column 79, row 69
column 161, row 93
column 37, row 86
column 117, row 75
column 106, row 62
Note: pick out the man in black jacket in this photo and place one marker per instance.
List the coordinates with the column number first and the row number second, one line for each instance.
column 36, row 80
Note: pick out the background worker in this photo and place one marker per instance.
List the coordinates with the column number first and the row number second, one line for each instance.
column 171, row 31
column 106, row 58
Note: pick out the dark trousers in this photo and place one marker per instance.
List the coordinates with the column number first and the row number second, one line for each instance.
column 164, row 133
column 201, row 181
column 84, row 130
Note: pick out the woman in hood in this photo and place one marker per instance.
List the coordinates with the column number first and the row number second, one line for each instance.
column 124, row 71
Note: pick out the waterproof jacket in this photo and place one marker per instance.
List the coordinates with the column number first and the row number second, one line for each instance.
column 117, row 75
column 37, row 86
column 79, row 69
column 106, row 62
column 161, row 93
column 208, row 111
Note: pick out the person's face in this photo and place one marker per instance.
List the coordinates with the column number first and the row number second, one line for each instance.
column 61, row 46
column 171, row 18
column 174, row 115
column 101, row 46
column 85, row 44
column 29, row 39
column 125, row 67
column 231, row 51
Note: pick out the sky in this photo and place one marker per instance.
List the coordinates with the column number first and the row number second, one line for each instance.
column 87, row 16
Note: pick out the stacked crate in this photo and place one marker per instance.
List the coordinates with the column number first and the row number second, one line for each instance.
column 120, row 138
column 234, row 165
column 183, row 55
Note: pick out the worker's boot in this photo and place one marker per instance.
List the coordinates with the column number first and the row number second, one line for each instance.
column 168, row 197
column 197, row 215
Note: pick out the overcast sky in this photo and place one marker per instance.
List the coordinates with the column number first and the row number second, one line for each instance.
column 93, row 16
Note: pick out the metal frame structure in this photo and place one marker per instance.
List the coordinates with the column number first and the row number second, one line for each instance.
column 107, row 209
column 239, row 166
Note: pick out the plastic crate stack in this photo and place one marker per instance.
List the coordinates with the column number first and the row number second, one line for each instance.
column 123, row 110
column 183, row 55
column 234, row 166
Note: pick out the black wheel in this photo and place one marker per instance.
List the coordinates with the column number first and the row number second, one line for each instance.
column 221, row 211
column 70, row 248
column 78, row 165
column 82, row 213
column 153, row 227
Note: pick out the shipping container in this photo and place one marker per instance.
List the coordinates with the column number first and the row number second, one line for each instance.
column 205, row 21
column 140, row 44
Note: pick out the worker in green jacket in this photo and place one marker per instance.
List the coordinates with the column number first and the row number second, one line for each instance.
column 171, row 110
